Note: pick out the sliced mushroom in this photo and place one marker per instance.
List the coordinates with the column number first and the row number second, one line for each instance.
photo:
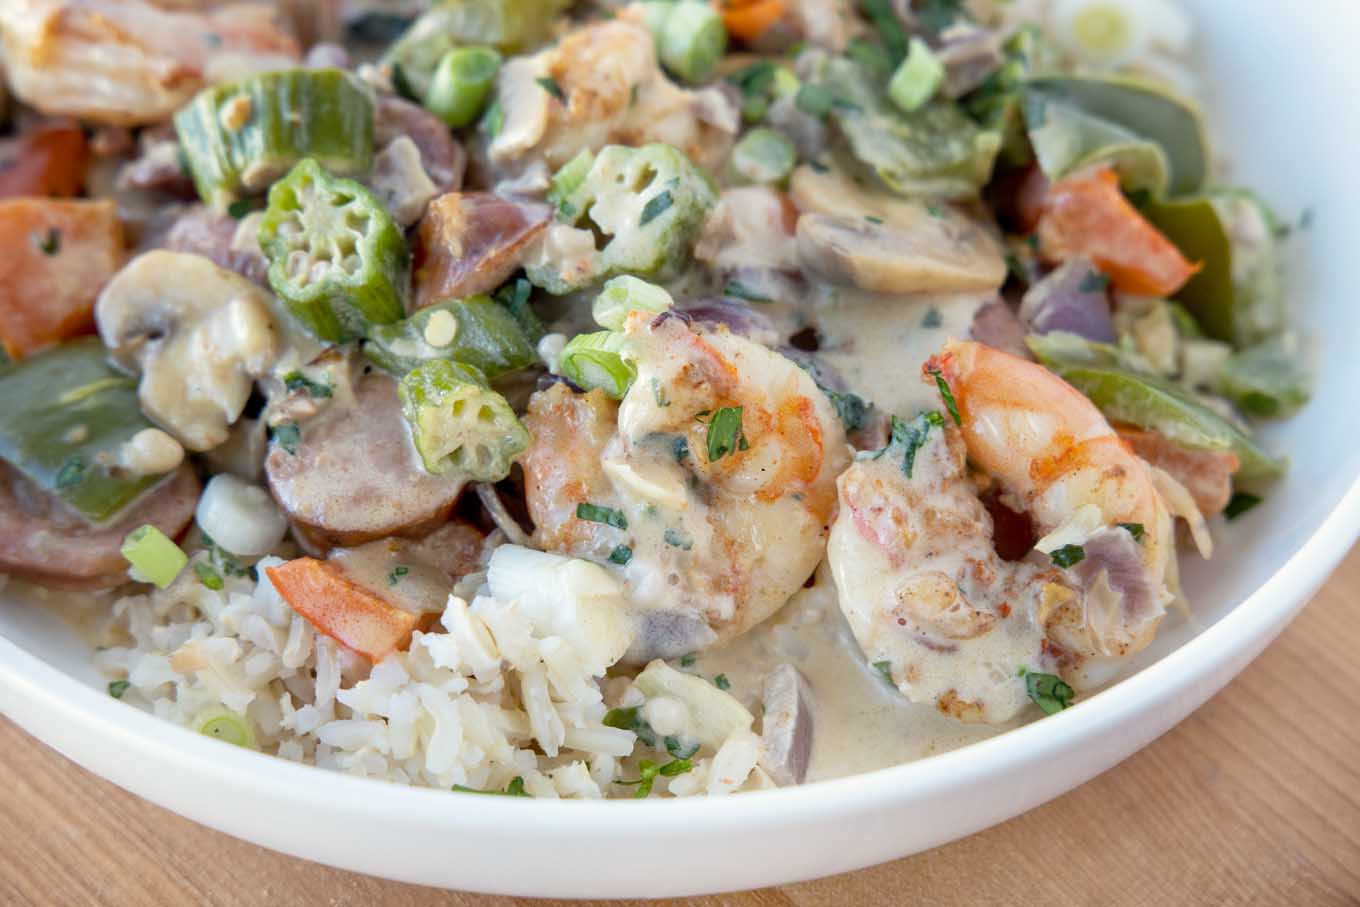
column 885, row 244
column 471, row 242
column 199, row 335
column 43, row 540
column 786, row 729
column 354, row 475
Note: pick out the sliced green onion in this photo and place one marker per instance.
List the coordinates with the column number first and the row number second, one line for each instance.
column 622, row 295
column 725, row 433
column 227, row 726
column 461, row 84
column 598, row 360
column 1048, row 691
column 154, row 558
column 692, row 40
column 607, row 515
column 918, row 78
column 763, row 156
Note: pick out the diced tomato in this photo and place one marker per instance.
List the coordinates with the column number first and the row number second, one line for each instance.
column 340, row 608
column 58, row 255
column 1086, row 214
column 48, row 160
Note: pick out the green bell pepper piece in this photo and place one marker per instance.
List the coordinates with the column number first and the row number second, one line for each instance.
column 1066, row 139
column 63, row 415
column 1270, row 380
column 335, row 256
column 240, row 137
column 1143, row 110
column 475, row 331
column 459, row 425
column 1125, row 394
column 1238, row 297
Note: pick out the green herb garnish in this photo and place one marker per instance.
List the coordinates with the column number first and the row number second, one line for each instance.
column 208, row 576
column 947, row 395
column 631, row 720
column 621, row 555
column 1134, row 529
column 1067, row 556
column 1240, row 503
column 118, row 687
column 288, row 436
column 514, row 789
column 738, row 290
column 296, row 381
column 687, row 661
column 1049, row 692
column 677, row 539
column 597, row 514
column 648, row 770
column 912, row 436
column 681, row 750
column 550, row 85
column 885, row 668
column 1094, row 282
column 656, row 206
column 50, row 242
column 725, row 434
column 932, row 319
column 722, row 683
column 240, row 208
column 397, row 573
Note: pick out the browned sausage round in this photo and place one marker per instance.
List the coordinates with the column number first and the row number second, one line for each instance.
column 443, row 158
column 42, row 540
column 356, row 477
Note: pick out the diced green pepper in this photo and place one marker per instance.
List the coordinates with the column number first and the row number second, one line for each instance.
column 475, row 331
column 762, row 156
column 1143, row 111
column 1124, row 394
column 154, row 557
column 507, row 25
column 335, row 256
column 938, row 150
column 649, row 203
column 599, row 360
column 1066, row 139
column 63, row 415
column 1238, row 296
column 1270, row 380
column 459, row 425
column 461, row 84
column 918, row 79
column 240, row 137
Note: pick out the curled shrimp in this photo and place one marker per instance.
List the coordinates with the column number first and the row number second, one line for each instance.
column 926, row 593
column 709, row 543
column 129, row 62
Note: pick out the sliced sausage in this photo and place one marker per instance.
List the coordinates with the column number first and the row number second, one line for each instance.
column 786, row 729
column 471, row 242
column 355, row 477
column 43, row 540
column 441, row 155
column 205, row 232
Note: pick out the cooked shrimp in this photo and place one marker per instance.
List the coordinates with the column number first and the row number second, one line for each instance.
column 128, row 62
column 708, row 546
column 912, row 552
column 612, row 92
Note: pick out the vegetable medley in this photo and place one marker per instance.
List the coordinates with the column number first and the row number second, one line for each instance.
column 734, row 359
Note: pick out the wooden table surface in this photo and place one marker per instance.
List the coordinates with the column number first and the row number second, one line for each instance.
column 1255, row 799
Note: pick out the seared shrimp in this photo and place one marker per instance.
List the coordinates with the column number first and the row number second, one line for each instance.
column 912, row 555
column 129, row 62
column 612, row 92
column 708, row 545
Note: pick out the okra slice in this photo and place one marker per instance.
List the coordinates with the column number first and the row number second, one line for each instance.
column 64, row 414
column 476, row 331
column 335, row 256
column 460, row 426
column 241, row 136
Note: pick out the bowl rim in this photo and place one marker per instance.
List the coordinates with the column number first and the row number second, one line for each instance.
column 1251, row 622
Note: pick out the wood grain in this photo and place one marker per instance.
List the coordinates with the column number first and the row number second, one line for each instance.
column 1253, row 800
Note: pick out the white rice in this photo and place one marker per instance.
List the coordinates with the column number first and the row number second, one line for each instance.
column 492, row 695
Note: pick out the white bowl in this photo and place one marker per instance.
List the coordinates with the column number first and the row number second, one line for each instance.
column 1281, row 105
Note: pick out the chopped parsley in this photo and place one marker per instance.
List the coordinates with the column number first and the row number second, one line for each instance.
column 912, row 436
column 648, row 771
column 947, row 395
column 885, row 668
column 725, row 433
column 225, row 561
column 873, row 220
column 677, row 539
column 656, row 206
column 50, row 242
column 397, row 573
column 851, row 408
column 1134, row 529
column 935, row 211
column 208, row 576
column 1240, row 503
column 296, row 381
column 288, row 436
column 514, row 789
column 240, row 208
column 1067, row 556
column 549, row 84
column 118, row 687
column 937, row 15
column 681, row 750
column 889, row 28
column 72, row 472
column 738, row 290
column 687, row 661
column 597, row 514
column 1048, row 691
column 1094, row 282
column 932, row 318
column 722, row 683
column 680, row 448
column 621, row 555
column 631, row 720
